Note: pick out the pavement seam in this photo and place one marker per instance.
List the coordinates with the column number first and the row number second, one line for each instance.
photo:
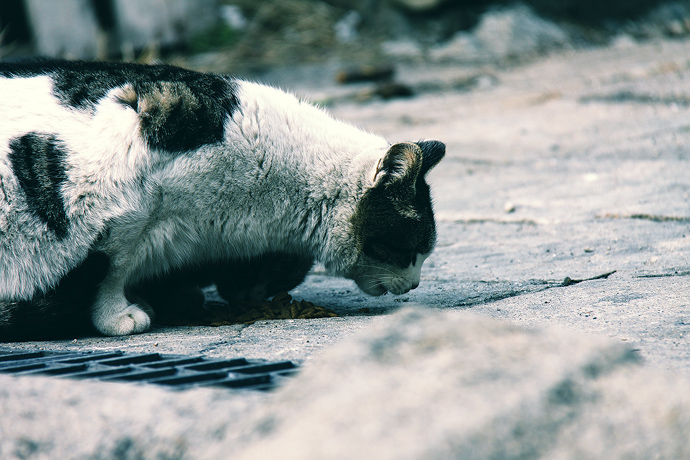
column 542, row 285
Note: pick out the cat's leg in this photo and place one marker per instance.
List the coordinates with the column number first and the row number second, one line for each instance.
column 261, row 277
column 114, row 314
column 177, row 294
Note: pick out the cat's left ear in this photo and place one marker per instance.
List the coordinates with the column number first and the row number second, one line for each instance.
column 400, row 165
column 432, row 153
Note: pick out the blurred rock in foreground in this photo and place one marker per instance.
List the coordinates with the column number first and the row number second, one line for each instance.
column 450, row 385
column 419, row 384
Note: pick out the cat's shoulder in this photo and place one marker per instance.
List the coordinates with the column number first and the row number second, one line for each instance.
column 83, row 83
column 179, row 109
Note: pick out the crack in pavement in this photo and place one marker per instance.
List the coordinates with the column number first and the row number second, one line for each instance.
column 650, row 217
column 490, row 220
column 487, row 299
column 211, row 347
column 622, row 97
column 534, row 285
column 665, row 275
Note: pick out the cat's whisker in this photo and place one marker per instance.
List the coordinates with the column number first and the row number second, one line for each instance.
column 379, row 268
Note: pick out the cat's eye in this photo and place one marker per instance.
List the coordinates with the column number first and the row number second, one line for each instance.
column 406, row 256
column 390, row 252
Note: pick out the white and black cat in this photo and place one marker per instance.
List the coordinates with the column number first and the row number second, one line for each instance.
column 114, row 176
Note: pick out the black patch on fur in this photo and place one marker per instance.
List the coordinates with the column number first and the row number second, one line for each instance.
column 394, row 221
column 60, row 313
column 194, row 105
column 38, row 162
column 386, row 235
column 177, row 117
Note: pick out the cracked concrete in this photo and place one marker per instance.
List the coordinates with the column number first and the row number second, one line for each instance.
column 571, row 167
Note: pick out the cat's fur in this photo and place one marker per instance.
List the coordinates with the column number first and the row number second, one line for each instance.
column 114, row 175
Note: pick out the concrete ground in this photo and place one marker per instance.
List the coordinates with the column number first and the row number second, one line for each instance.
column 562, row 200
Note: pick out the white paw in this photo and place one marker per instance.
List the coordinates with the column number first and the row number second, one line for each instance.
column 130, row 320
column 143, row 305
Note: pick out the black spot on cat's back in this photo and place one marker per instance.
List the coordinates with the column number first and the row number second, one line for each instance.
column 38, row 162
column 174, row 117
column 81, row 84
column 179, row 109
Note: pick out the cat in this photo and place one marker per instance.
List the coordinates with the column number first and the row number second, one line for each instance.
column 114, row 176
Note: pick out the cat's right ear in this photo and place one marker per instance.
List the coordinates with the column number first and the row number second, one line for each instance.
column 432, row 153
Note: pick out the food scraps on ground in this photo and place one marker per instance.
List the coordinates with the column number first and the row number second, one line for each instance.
column 215, row 313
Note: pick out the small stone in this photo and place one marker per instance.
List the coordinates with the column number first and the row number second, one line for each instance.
column 623, row 41
column 419, row 5
column 463, row 46
column 346, row 27
column 233, row 17
column 361, row 73
column 282, row 297
column 402, row 49
column 393, row 90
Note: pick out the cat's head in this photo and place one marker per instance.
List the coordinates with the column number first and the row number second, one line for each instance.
column 394, row 222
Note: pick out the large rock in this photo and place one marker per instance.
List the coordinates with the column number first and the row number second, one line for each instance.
column 72, row 29
column 450, row 385
column 164, row 22
column 509, row 33
column 517, row 31
column 51, row 36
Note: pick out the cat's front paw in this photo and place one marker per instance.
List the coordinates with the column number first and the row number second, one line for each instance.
column 130, row 320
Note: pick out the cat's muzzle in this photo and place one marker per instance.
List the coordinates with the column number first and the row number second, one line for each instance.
column 377, row 281
column 394, row 286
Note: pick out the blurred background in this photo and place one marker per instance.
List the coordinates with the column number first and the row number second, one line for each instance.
column 249, row 35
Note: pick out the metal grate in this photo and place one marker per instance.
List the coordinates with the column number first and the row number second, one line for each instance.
column 171, row 370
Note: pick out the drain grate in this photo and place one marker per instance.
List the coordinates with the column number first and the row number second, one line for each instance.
column 171, row 370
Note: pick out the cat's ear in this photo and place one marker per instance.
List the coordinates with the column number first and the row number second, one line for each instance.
column 401, row 164
column 432, row 153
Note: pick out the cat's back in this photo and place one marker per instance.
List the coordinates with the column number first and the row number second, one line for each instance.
column 38, row 90
column 82, row 84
